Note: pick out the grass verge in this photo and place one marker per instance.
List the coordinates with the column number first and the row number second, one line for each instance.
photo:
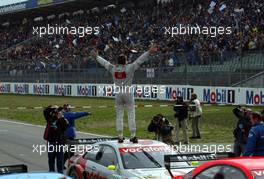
column 216, row 125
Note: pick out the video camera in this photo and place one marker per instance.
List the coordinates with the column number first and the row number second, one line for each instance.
column 242, row 112
column 159, row 124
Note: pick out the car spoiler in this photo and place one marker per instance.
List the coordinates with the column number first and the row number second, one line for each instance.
column 90, row 140
column 193, row 157
column 8, row 169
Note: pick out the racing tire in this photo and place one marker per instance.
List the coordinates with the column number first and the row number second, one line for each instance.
column 74, row 174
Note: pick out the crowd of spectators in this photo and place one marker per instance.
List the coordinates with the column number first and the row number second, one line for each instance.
column 130, row 30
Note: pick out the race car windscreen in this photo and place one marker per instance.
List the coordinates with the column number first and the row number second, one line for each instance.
column 146, row 157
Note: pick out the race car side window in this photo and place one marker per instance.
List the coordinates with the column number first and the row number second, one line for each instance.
column 108, row 157
column 221, row 172
column 91, row 154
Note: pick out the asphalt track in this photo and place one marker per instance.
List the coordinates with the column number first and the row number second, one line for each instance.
column 17, row 140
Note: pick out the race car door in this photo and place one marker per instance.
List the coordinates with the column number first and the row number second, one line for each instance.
column 105, row 157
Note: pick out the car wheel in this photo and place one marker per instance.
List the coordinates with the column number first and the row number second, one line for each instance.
column 74, row 174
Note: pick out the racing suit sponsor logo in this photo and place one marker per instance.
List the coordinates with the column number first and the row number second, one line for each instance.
column 120, row 75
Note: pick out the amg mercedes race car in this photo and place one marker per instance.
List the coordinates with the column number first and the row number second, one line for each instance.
column 220, row 167
column 109, row 159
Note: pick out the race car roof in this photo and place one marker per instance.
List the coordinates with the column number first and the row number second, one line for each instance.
column 141, row 143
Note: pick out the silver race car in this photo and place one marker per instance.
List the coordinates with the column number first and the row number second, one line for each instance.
column 108, row 159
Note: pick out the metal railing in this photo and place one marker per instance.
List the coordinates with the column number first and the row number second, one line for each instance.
column 182, row 72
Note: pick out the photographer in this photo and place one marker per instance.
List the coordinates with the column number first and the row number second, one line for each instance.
column 242, row 129
column 181, row 114
column 55, row 136
column 162, row 129
column 255, row 142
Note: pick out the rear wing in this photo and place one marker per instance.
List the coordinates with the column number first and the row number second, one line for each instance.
column 8, row 169
column 192, row 159
column 89, row 140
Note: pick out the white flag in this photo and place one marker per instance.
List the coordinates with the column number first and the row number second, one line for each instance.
column 212, row 4
column 115, row 39
column 222, row 7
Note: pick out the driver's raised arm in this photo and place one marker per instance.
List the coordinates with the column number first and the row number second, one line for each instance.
column 108, row 66
column 101, row 60
column 140, row 60
column 144, row 57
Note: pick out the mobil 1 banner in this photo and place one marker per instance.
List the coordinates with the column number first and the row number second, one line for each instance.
column 5, row 88
column 252, row 96
column 218, row 95
column 40, row 89
column 89, row 90
column 62, row 89
column 170, row 92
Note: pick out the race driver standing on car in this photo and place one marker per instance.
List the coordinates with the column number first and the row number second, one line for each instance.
column 255, row 142
column 123, row 74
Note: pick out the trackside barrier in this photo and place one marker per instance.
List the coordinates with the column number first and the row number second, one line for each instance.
column 206, row 94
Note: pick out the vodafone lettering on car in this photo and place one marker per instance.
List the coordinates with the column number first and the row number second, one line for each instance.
column 145, row 149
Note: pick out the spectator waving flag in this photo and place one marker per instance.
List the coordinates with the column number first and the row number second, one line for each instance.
column 222, row 7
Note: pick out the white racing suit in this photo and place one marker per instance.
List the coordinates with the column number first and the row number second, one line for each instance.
column 123, row 76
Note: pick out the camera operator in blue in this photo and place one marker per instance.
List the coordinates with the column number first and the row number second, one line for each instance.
column 71, row 130
column 255, row 142
column 71, row 117
column 242, row 129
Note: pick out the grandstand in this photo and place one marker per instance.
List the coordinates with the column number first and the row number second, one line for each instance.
column 129, row 27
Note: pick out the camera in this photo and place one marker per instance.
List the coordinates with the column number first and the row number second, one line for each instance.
column 160, row 125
